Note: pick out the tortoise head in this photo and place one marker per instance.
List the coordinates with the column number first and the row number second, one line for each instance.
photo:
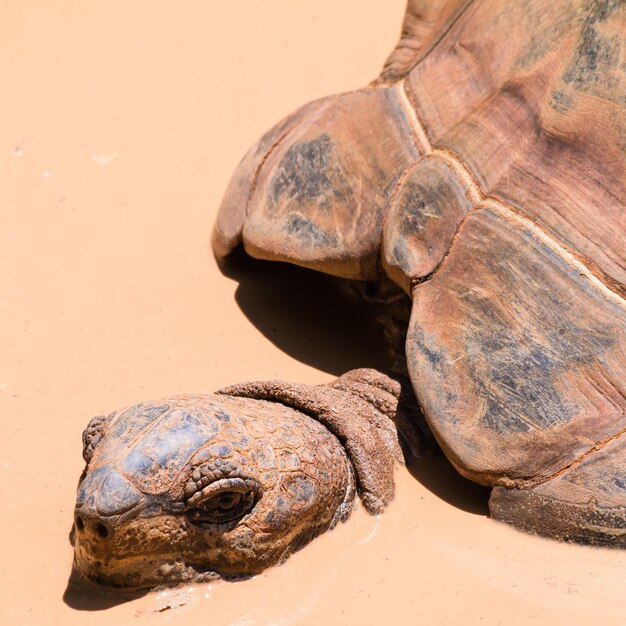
column 194, row 487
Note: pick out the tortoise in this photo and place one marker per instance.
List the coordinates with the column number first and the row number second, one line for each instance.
column 482, row 176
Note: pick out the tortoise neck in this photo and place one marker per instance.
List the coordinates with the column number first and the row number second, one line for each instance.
column 392, row 395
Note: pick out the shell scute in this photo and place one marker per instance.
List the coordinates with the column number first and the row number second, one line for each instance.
column 515, row 355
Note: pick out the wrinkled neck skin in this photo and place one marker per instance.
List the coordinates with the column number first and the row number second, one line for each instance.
column 192, row 487
column 392, row 395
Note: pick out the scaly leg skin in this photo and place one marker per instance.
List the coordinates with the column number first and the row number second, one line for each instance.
column 585, row 502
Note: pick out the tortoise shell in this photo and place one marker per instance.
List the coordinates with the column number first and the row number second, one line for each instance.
column 484, row 173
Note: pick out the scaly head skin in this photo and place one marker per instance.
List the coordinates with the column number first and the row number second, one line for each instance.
column 193, row 487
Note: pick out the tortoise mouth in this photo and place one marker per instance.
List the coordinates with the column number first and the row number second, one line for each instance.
column 141, row 576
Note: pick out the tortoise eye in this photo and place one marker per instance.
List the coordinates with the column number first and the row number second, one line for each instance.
column 223, row 501
column 228, row 500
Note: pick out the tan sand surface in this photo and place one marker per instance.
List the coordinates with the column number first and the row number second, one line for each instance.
column 120, row 123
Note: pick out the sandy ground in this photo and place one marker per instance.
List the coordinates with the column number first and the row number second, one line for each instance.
column 120, row 123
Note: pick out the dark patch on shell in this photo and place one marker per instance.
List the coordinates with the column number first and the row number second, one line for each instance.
column 519, row 384
column 595, row 65
column 303, row 228
column 309, row 173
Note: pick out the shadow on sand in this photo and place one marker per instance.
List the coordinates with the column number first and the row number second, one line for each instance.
column 315, row 318
column 80, row 595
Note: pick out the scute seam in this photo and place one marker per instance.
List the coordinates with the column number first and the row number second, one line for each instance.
column 421, row 140
column 531, row 483
column 386, row 77
column 482, row 200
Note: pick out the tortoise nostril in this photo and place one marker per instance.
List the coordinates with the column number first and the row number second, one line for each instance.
column 102, row 530
column 80, row 525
